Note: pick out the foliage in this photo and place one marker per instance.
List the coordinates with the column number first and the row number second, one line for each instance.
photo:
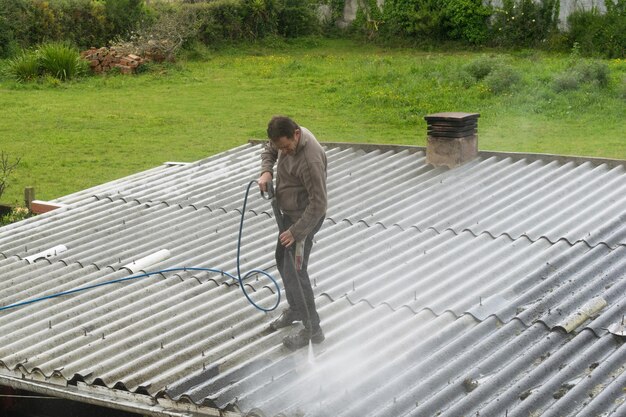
column 297, row 18
column 583, row 72
column 161, row 38
column 25, row 66
column 426, row 20
column 419, row 19
column 15, row 215
column 466, row 20
column 53, row 59
column 502, row 79
column 496, row 75
column 82, row 22
column 602, row 35
column 123, row 15
column 61, row 61
column 525, row 23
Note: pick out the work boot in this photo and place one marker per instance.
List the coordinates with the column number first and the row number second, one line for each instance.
column 301, row 339
column 286, row 319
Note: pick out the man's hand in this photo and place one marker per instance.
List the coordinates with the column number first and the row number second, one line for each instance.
column 286, row 238
column 263, row 180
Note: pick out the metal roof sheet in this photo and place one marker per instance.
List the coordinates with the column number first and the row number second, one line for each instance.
column 456, row 292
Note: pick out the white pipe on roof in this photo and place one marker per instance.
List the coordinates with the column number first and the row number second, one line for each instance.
column 48, row 253
column 143, row 263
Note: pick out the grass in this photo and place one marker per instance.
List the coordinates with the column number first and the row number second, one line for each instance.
column 77, row 134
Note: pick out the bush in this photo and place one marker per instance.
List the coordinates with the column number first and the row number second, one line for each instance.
column 602, row 35
column 161, row 39
column 83, row 22
column 420, row 19
column 502, row 79
column 57, row 60
column 25, row 67
column 480, row 67
column 589, row 72
column 297, row 18
column 15, row 215
column 61, row 61
column 496, row 75
column 466, row 20
column 525, row 23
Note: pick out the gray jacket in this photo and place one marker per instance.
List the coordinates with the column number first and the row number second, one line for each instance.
column 300, row 182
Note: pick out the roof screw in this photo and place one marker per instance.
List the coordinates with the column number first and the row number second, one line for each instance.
column 49, row 324
column 203, row 353
column 481, row 301
column 203, row 366
column 161, row 345
column 102, row 336
column 85, row 330
column 622, row 319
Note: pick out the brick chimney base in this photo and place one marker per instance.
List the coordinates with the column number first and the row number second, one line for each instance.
column 451, row 152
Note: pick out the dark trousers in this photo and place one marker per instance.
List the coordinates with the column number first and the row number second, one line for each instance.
column 297, row 283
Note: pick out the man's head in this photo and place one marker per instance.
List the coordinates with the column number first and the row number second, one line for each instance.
column 284, row 134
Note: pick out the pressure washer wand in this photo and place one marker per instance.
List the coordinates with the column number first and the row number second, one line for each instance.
column 269, row 195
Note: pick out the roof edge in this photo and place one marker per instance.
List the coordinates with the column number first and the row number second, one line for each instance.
column 110, row 398
column 368, row 147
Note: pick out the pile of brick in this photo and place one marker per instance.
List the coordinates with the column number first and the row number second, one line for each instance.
column 104, row 59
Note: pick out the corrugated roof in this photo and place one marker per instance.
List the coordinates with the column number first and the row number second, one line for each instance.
column 481, row 290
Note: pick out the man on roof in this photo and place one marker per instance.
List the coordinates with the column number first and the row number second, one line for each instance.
column 301, row 195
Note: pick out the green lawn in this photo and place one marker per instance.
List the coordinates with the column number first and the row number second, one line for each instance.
column 76, row 135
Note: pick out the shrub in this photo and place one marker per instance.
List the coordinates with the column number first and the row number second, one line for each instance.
column 123, row 16
column 297, row 18
column 421, row 19
column 480, row 67
column 590, row 72
column 57, row 60
column 502, row 79
column 525, row 23
column 25, row 67
column 161, row 39
column 15, row 215
column 85, row 23
column 61, row 61
column 598, row 34
column 496, row 75
column 466, row 20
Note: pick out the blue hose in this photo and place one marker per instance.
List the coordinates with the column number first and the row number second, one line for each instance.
column 238, row 277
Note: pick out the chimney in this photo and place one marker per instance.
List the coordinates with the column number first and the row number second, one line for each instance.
column 452, row 138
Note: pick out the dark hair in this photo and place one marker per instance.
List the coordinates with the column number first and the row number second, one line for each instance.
column 281, row 126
